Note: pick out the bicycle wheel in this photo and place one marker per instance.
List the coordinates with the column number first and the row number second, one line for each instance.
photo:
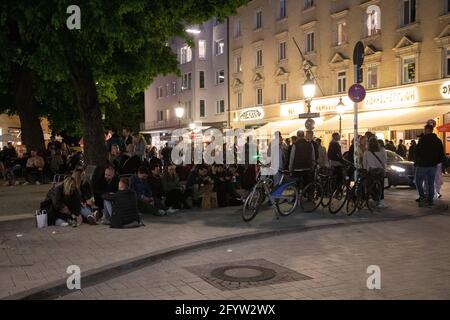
column 251, row 205
column 311, row 197
column 373, row 195
column 287, row 202
column 338, row 199
column 352, row 202
column 328, row 189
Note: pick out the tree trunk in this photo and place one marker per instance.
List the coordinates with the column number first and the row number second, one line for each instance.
column 90, row 114
column 32, row 134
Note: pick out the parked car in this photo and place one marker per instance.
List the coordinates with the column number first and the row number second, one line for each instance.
column 399, row 171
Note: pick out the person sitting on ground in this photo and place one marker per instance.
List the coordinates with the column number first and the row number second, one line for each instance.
column 146, row 203
column 66, row 204
column 139, row 144
column 153, row 157
column 198, row 184
column 34, row 169
column 114, row 156
column 157, row 189
column 123, row 212
column 226, row 194
column 173, row 189
column 108, row 183
column 87, row 196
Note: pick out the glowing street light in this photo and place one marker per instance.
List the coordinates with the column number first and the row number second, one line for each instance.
column 309, row 90
column 340, row 108
column 179, row 112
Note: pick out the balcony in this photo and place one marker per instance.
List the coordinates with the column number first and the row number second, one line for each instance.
column 165, row 125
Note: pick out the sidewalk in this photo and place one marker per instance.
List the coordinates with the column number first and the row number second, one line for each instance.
column 30, row 258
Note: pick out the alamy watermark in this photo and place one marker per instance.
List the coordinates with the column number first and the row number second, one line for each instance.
column 374, row 280
column 74, row 20
column 74, row 280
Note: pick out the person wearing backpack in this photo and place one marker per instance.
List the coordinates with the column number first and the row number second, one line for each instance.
column 374, row 161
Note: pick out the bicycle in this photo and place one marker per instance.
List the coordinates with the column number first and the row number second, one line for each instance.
column 311, row 195
column 327, row 179
column 366, row 192
column 283, row 198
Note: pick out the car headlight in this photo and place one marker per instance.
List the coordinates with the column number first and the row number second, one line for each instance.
column 398, row 169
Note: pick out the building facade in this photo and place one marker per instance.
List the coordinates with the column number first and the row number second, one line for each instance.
column 202, row 90
column 406, row 69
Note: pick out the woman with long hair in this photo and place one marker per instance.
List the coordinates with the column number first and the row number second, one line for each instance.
column 85, row 190
column 66, row 203
column 374, row 161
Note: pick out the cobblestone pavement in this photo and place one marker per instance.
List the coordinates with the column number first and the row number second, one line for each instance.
column 413, row 257
column 32, row 257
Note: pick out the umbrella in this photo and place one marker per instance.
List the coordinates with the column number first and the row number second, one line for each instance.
column 444, row 128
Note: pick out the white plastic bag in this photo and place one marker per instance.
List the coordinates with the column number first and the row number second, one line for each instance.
column 41, row 219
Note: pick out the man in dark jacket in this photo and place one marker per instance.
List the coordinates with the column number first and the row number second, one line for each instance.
column 109, row 183
column 302, row 158
column 429, row 153
column 124, row 208
column 335, row 157
column 139, row 184
column 401, row 149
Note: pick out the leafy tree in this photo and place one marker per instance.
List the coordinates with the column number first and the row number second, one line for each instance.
column 119, row 43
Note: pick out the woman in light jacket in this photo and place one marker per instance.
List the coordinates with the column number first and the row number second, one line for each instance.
column 375, row 158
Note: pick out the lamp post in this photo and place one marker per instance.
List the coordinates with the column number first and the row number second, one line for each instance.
column 340, row 108
column 309, row 90
column 179, row 112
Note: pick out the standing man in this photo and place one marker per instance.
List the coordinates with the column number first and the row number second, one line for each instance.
column 412, row 151
column 310, row 139
column 335, row 157
column 302, row 158
column 429, row 153
column 401, row 149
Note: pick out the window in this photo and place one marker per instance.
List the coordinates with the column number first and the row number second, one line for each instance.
column 309, row 42
column 189, row 110
column 186, row 54
column 283, row 96
column 202, row 108
column 219, row 47
column 309, row 4
column 201, row 79
column 220, row 106
column 174, row 88
column 341, row 33
column 281, row 51
column 237, row 28
column 201, row 49
column 159, row 92
column 409, row 11
column 342, row 82
column 160, row 115
column 238, row 64
column 187, row 81
column 448, row 6
column 282, row 10
column 259, row 97
column 239, row 100
column 220, row 77
column 258, row 19
column 447, row 62
column 167, row 90
column 373, row 20
column 408, row 70
column 259, row 60
column 372, row 77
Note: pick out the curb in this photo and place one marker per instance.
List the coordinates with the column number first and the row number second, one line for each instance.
column 94, row 276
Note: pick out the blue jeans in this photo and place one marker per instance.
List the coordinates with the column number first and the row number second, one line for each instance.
column 427, row 174
column 86, row 211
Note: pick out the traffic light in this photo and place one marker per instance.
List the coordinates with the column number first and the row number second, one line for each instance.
column 359, row 76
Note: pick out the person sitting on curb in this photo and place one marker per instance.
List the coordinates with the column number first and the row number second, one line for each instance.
column 108, row 183
column 34, row 169
column 124, row 207
column 157, row 189
column 198, row 184
column 139, row 183
column 173, row 189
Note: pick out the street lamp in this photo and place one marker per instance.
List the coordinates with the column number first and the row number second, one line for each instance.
column 340, row 108
column 179, row 112
column 309, row 90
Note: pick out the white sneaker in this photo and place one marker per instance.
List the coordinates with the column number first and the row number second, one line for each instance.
column 382, row 205
column 61, row 223
column 24, row 184
column 162, row 212
column 171, row 210
column 38, row 183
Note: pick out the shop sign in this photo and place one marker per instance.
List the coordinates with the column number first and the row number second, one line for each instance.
column 378, row 129
column 445, row 90
column 328, row 105
column 390, row 98
column 251, row 114
column 292, row 109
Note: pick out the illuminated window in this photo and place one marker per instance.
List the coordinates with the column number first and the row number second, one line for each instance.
column 341, row 33
column 201, row 49
column 219, row 47
column 186, row 54
column 373, row 20
column 408, row 70
column 220, row 77
column 372, row 77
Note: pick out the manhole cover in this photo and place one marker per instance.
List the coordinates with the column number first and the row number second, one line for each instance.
column 243, row 273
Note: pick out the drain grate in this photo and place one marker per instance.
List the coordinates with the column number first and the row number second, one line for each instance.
column 245, row 274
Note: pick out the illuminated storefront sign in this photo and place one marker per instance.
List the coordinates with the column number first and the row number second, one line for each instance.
column 329, row 104
column 291, row 109
column 445, row 90
column 391, row 98
column 251, row 114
